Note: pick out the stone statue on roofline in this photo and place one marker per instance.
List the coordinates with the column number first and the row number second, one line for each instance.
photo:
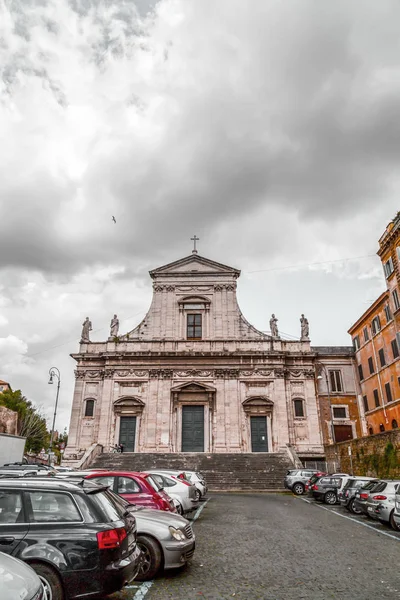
column 305, row 329
column 273, row 326
column 114, row 326
column 86, row 328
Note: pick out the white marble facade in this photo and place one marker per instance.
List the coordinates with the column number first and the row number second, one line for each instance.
column 194, row 348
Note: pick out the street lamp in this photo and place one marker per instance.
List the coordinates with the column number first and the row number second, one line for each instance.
column 323, row 368
column 54, row 372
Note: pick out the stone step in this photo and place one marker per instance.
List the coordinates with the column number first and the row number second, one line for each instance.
column 240, row 472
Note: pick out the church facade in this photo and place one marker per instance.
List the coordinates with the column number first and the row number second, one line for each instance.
column 195, row 376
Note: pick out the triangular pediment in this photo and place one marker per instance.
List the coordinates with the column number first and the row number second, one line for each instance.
column 193, row 386
column 193, row 264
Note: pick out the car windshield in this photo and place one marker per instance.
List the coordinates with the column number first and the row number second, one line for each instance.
column 314, row 478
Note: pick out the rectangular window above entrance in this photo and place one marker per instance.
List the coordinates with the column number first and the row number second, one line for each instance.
column 336, row 381
column 194, row 327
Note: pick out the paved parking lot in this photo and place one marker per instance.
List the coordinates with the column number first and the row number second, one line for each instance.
column 278, row 547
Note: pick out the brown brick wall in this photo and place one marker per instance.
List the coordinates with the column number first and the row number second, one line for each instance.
column 374, row 456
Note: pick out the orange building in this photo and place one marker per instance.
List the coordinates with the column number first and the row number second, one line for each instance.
column 376, row 341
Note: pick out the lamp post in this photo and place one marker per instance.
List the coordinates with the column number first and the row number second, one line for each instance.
column 323, row 368
column 54, row 372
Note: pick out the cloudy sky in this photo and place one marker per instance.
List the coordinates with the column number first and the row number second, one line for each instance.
column 270, row 129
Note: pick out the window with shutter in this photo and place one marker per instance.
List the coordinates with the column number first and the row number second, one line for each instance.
column 365, row 401
column 376, row 325
column 360, row 372
column 396, row 300
column 335, row 378
column 388, row 389
column 382, row 358
column 376, row 398
column 395, row 348
column 371, row 365
column 366, row 334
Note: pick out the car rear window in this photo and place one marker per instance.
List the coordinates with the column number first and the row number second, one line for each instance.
column 370, row 485
column 354, row 483
column 154, row 484
column 380, row 486
column 108, row 508
column 293, row 472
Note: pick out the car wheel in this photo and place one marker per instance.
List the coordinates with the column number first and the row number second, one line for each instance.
column 51, row 582
column 197, row 495
column 152, row 557
column 330, row 498
column 298, row 489
column 393, row 523
column 179, row 509
column 353, row 509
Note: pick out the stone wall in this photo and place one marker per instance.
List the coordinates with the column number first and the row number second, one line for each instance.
column 8, row 421
column 374, row 456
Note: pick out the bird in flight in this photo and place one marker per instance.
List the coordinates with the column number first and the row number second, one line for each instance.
column 114, row 219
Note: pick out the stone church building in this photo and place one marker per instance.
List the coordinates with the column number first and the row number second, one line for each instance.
column 196, row 376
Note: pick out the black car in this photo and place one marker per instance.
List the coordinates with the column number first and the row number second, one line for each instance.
column 361, row 496
column 325, row 489
column 348, row 495
column 77, row 539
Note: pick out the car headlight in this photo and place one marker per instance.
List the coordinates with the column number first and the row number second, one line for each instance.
column 177, row 534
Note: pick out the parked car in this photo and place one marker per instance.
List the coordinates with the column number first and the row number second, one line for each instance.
column 312, row 480
column 381, row 502
column 79, row 543
column 325, row 489
column 194, row 477
column 136, row 488
column 348, row 492
column 22, row 470
column 167, row 540
column 296, row 480
column 198, row 480
column 396, row 514
column 179, row 489
column 18, row 580
column 361, row 496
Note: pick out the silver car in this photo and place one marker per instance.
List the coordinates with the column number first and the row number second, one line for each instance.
column 165, row 539
column 179, row 489
column 296, row 480
column 381, row 502
column 19, row 580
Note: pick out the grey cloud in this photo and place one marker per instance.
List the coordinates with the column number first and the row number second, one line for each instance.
column 277, row 106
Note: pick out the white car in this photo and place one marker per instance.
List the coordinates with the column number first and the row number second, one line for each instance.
column 178, row 489
column 198, row 481
column 193, row 477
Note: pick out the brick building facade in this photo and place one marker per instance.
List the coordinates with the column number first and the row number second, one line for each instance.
column 376, row 341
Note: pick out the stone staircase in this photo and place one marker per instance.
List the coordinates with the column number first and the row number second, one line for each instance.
column 223, row 472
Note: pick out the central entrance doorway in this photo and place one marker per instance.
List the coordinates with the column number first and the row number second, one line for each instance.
column 259, row 439
column 127, row 433
column 193, row 428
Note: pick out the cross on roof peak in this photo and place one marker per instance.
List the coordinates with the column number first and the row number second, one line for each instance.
column 194, row 240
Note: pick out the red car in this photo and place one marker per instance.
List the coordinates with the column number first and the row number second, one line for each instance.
column 136, row 488
column 313, row 479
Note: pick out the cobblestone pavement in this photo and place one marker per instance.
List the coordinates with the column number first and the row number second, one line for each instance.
column 278, row 547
